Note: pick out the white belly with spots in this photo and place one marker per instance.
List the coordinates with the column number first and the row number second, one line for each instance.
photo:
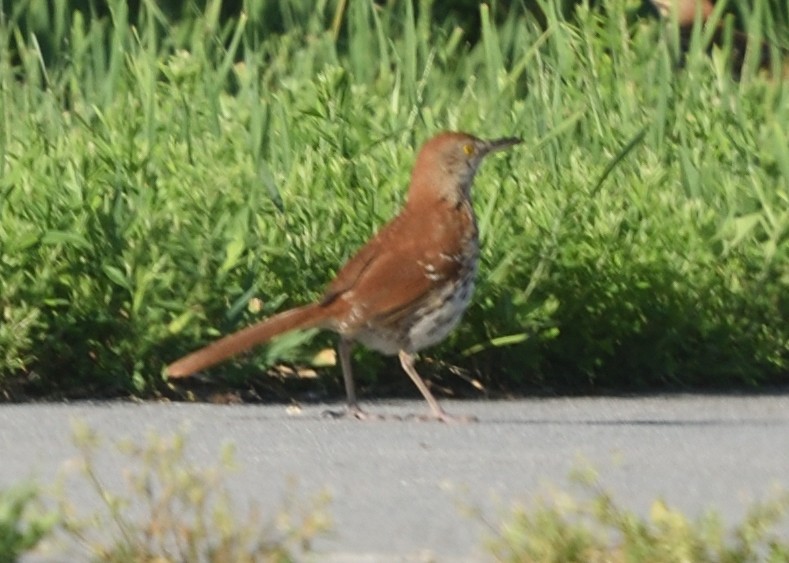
column 428, row 326
column 435, row 323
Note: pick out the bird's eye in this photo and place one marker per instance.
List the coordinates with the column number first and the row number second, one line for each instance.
column 469, row 149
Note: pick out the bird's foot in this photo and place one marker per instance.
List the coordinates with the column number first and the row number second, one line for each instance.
column 354, row 411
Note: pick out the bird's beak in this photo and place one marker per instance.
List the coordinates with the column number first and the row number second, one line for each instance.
column 499, row 144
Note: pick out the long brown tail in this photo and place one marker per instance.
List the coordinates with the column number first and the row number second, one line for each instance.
column 308, row 316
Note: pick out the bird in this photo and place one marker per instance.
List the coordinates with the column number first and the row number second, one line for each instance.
column 685, row 12
column 406, row 288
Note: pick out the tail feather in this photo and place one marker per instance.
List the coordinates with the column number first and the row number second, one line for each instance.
column 300, row 318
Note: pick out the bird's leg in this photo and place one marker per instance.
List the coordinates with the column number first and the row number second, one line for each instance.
column 352, row 408
column 347, row 377
column 436, row 412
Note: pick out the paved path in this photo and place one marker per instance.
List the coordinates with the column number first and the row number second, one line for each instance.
column 400, row 489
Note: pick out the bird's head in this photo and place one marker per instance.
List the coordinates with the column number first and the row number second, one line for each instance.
column 447, row 163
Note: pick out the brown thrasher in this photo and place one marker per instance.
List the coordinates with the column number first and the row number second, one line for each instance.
column 686, row 12
column 404, row 290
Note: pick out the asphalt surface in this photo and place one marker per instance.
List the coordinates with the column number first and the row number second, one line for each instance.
column 405, row 490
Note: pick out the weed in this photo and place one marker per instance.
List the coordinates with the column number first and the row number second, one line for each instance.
column 23, row 521
column 597, row 529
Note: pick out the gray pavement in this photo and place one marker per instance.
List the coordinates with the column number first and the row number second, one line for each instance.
column 402, row 490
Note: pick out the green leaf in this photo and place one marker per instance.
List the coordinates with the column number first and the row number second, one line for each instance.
column 68, row 238
column 116, row 276
column 178, row 323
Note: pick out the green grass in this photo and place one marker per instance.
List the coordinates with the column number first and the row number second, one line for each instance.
column 156, row 178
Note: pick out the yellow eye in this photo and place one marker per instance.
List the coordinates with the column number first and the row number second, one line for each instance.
column 468, row 148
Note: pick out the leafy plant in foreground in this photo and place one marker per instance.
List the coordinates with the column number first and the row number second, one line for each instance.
column 596, row 529
column 174, row 511
column 23, row 521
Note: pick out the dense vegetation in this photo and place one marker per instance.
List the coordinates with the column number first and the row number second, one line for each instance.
column 174, row 178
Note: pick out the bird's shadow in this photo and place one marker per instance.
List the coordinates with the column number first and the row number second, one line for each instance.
column 706, row 422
